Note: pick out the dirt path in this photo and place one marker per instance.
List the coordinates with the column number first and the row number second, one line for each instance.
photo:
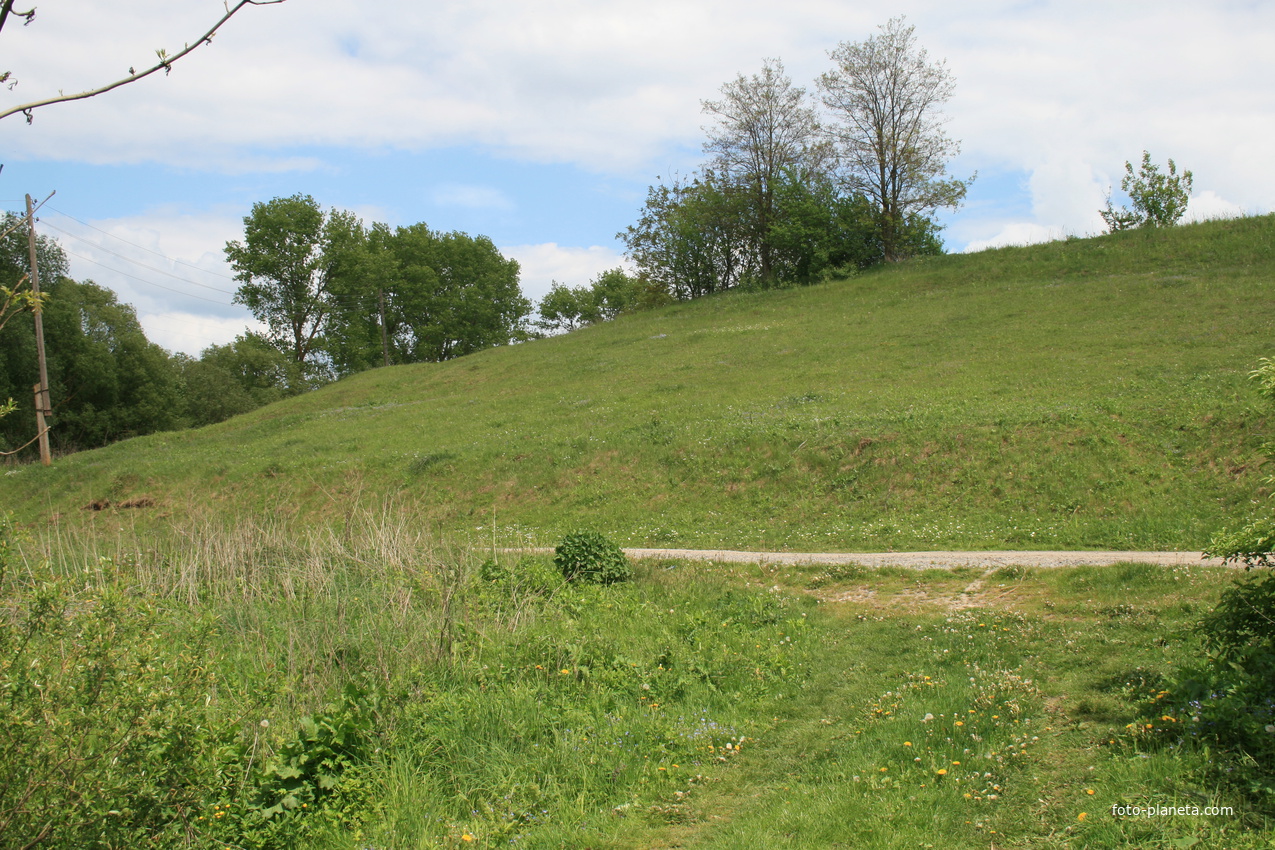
column 927, row 560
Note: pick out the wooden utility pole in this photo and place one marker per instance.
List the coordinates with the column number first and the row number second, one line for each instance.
column 42, row 406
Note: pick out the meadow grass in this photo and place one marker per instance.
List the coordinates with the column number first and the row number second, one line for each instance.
column 1081, row 394
column 700, row 705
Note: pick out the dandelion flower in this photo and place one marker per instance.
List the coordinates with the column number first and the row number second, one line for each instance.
column 1082, row 816
column 942, row 771
column 1090, row 791
column 467, row 837
column 907, row 743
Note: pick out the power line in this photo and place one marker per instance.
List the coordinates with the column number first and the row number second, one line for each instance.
column 136, row 263
column 149, row 282
column 139, row 247
column 128, row 259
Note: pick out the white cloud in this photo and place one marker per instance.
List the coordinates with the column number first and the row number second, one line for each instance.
column 1209, row 205
column 191, row 333
column 167, row 263
column 541, row 265
column 1018, row 233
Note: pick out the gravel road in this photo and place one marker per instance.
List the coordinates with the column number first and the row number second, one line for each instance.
column 926, row 560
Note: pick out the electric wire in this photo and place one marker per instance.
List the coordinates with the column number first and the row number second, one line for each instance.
column 139, row 247
column 149, row 282
column 137, row 263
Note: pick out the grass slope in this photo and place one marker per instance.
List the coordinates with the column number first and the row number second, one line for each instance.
column 1087, row 393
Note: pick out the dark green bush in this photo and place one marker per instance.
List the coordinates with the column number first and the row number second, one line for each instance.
column 1227, row 700
column 590, row 557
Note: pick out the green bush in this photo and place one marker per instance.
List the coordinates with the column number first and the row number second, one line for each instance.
column 1227, row 701
column 590, row 557
column 105, row 728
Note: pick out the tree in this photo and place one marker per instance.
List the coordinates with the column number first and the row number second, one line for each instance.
column 109, row 380
column 231, row 379
column 690, row 240
column 889, row 137
column 165, row 62
column 613, row 292
column 563, row 309
column 17, row 297
column 608, row 295
column 1159, row 200
column 765, row 133
column 290, row 258
column 453, row 294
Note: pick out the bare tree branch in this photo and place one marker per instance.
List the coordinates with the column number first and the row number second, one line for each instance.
column 165, row 61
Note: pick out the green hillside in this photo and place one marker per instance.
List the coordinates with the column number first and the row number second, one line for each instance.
column 1087, row 393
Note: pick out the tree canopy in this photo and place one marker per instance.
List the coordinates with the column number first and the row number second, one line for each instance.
column 340, row 297
column 885, row 94
column 1159, row 200
column 789, row 197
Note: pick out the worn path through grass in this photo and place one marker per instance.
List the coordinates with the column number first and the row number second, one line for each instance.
column 971, row 708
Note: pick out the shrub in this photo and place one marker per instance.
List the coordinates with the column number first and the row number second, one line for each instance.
column 106, row 725
column 1228, row 701
column 590, row 557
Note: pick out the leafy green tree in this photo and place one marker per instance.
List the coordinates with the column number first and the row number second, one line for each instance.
column 613, row 292
column 110, row 380
column 695, row 238
column 766, row 132
column 887, row 95
column 263, row 372
column 1159, row 200
column 106, row 379
column 231, row 379
column 454, row 294
column 363, row 320
column 562, row 308
column 691, row 239
column 292, row 256
column 608, row 295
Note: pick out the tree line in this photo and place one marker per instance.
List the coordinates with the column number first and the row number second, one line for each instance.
column 336, row 297
column 107, row 380
column 796, row 188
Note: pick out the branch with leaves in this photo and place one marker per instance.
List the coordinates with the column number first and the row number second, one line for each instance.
column 164, row 64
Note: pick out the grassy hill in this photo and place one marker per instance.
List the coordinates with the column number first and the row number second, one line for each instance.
column 1087, row 393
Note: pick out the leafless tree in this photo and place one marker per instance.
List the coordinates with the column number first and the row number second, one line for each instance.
column 766, row 130
column 165, row 62
column 887, row 95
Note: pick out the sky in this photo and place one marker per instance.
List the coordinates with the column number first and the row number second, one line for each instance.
column 541, row 125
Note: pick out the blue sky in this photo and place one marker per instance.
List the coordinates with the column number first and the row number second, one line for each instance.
column 541, row 125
